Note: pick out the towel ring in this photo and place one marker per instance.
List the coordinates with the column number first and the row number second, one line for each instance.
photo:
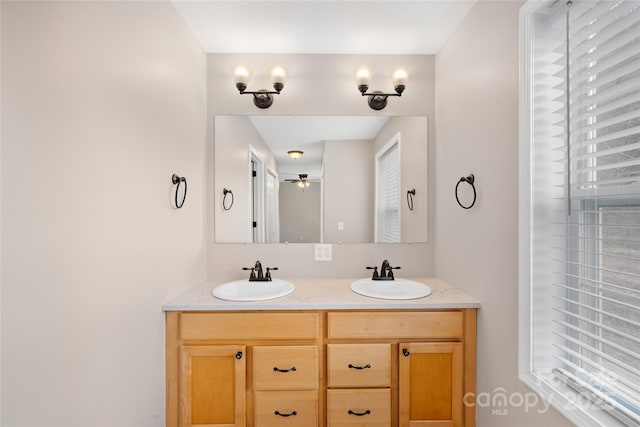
column 410, row 194
column 470, row 180
column 177, row 180
column 226, row 192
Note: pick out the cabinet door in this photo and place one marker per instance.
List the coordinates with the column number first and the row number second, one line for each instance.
column 212, row 386
column 430, row 384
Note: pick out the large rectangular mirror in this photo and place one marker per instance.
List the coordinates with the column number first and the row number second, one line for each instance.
column 313, row 179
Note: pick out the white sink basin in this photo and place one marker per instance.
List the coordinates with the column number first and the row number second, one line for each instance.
column 244, row 290
column 391, row 289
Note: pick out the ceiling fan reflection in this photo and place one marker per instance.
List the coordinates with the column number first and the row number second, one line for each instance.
column 302, row 181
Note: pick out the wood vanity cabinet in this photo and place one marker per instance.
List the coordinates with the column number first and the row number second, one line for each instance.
column 340, row 368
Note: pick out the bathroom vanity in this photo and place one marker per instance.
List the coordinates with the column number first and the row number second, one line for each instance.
column 322, row 356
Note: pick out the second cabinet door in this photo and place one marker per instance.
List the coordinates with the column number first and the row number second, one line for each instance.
column 212, row 386
column 430, row 384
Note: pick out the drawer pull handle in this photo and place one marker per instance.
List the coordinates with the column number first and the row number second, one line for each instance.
column 275, row 369
column 367, row 366
column 405, row 352
column 358, row 414
column 280, row 414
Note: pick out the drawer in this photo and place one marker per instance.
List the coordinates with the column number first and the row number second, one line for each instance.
column 248, row 326
column 286, row 408
column 359, row 365
column 431, row 324
column 365, row 408
column 285, row 367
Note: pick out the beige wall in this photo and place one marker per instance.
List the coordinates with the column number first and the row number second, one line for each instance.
column 299, row 213
column 477, row 249
column 348, row 191
column 234, row 137
column 317, row 85
column 101, row 103
column 106, row 100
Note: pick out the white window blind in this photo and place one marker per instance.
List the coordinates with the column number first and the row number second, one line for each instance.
column 584, row 151
column 388, row 193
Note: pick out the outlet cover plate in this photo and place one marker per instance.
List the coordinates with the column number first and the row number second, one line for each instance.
column 323, row 252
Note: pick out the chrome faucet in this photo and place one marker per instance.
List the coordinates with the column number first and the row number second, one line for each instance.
column 386, row 271
column 257, row 274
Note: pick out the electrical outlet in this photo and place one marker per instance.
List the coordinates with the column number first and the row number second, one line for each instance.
column 323, row 252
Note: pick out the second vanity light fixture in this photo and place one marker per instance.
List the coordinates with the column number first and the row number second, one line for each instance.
column 378, row 99
column 262, row 98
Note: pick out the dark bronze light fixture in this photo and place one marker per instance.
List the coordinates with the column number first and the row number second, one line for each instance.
column 295, row 154
column 302, row 181
column 377, row 99
column 262, row 98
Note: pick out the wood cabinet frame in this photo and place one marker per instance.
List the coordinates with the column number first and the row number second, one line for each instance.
column 311, row 327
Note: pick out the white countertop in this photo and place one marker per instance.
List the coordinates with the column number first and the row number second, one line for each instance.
column 322, row 294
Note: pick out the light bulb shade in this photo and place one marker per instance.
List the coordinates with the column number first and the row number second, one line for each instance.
column 363, row 76
column 295, row 154
column 303, row 184
column 242, row 74
column 400, row 76
column 278, row 74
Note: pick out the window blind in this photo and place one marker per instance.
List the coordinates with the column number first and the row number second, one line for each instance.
column 388, row 194
column 585, row 253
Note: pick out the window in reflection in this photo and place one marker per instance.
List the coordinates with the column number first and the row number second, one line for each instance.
column 388, row 192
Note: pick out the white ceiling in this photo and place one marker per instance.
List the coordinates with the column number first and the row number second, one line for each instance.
column 323, row 26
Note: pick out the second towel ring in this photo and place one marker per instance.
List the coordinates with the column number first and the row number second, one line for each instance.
column 177, row 180
column 226, row 192
column 470, row 180
column 410, row 194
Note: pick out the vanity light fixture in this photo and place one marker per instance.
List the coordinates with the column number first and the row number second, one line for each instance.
column 378, row 99
column 262, row 98
column 295, row 154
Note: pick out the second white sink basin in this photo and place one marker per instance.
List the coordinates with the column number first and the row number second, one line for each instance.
column 391, row 289
column 244, row 290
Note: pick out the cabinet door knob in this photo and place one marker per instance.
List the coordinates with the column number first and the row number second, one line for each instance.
column 276, row 369
column 239, row 355
column 367, row 366
column 280, row 414
column 405, row 352
column 358, row 414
